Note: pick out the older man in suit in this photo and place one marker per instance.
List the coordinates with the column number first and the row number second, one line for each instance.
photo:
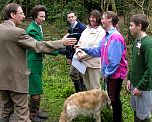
column 13, row 70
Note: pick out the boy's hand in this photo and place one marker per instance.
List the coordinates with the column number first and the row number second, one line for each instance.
column 136, row 92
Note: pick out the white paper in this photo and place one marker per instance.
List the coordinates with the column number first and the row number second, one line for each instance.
column 80, row 66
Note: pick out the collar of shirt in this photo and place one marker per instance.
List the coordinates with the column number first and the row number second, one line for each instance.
column 141, row 36
column 74, row 24
column 39, row 27
column 93, row 30
column 12, row 23
column 108, row 33
column 111, row 31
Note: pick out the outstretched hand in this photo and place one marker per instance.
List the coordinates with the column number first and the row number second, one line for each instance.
column 68, row 41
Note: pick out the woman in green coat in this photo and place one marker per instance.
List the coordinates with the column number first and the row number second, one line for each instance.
column 35, row 64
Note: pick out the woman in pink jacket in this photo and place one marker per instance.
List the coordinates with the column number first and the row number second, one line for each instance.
column 112, row 50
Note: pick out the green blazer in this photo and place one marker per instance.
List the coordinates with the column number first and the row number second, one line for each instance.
column 34, row 59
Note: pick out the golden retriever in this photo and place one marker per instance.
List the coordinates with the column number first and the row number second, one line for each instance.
column 87, row 103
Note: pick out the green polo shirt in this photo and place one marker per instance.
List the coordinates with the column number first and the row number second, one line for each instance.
column 141, row 67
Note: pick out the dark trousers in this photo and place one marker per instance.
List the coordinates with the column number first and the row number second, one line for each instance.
column 77, row 79
column 114, row 88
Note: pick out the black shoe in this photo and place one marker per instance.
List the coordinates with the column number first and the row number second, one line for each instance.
column 6, row 119
column 83, row 87
column 77, row 86
column 36, row 119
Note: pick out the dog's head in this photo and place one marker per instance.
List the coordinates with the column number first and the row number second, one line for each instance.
column 108, row 101
column 105, row 99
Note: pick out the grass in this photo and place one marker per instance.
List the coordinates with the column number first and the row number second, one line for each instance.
column 58, row 86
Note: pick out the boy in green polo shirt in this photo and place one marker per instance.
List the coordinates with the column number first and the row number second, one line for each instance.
column 140, row 74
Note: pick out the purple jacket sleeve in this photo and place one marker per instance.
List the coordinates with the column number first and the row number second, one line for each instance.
column 93, row 51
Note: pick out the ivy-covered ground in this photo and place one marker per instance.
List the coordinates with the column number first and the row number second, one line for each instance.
column 58, row 86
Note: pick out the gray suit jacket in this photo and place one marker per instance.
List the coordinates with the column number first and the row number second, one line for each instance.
column 13, row 44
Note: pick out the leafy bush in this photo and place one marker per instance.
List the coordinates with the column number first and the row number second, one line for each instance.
column 57, row 11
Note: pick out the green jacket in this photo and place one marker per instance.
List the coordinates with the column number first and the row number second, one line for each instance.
column 35, row 59
column 141, row 67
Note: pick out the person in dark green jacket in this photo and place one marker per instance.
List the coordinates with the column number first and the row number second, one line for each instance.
column 35, row 64
column 140, row 75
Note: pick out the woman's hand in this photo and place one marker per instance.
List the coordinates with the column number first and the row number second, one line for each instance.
column 128, row 85
column 79, row 55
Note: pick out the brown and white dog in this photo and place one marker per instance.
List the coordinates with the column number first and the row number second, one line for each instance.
column 86, row 103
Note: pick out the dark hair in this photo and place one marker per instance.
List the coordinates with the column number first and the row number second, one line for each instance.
column 113, row 16
column 97, row 14
column 8, row 9
column 69, row 12
column 140, row 19
column 36, row 9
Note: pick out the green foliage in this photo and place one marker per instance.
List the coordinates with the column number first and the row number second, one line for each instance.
column 55, row 31
column 120, row 7
column 125, row 99
column 54, row 11
column 78, row 8
column 58, row 10
column 3, row 2
column 57, row 85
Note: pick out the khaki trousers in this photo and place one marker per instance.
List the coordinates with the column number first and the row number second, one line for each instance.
column 91, row 78
column 17, row 102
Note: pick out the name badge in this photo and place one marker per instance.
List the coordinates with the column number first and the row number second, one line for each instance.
column 138, row 47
